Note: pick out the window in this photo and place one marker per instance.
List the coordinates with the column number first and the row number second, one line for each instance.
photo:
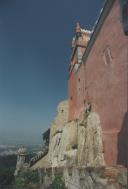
column 107, row 56
column 79, row 55
column 76, row 67
column 79, row 86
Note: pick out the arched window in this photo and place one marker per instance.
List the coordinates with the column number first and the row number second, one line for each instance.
column 107, row 56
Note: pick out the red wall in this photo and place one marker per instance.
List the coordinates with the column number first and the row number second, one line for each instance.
column 105, row 86
column 72, row 91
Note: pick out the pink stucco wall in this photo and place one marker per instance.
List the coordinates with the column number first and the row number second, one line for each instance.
column 106, row 87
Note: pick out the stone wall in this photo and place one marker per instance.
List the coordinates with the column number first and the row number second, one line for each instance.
column 86, row 178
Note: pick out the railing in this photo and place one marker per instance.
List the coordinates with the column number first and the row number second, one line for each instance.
column 38, row 156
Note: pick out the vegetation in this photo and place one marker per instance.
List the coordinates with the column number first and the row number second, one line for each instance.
column 27, row 179
column 7, row 168
column 58, row 183
column 7, row 179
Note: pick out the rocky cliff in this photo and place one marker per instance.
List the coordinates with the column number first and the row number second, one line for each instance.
column 78, row 142
column 76, row 155
column 86, row 177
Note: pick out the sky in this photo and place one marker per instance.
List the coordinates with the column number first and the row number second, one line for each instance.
column 35, row 49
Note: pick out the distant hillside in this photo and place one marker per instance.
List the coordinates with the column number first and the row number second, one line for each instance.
column 7, row 167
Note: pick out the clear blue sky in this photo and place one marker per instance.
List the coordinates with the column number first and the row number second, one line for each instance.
column 35, row 41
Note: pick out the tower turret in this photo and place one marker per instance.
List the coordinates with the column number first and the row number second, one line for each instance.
column 21, row 157
column 79, row 44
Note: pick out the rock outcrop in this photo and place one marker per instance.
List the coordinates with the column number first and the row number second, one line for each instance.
column 90, row 147
column 61, row 118
column 87, row 177
column 78, row 142
column 76, row 154
column 63, row 146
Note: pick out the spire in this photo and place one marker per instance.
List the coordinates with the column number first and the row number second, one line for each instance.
column 78, row 30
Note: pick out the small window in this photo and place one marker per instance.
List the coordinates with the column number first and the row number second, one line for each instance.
column 76, row 67
column 79, row 55
column 71, row 98
column 79, row 80
column 107, row 56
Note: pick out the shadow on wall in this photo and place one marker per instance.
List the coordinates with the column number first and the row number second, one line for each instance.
column 123, row 143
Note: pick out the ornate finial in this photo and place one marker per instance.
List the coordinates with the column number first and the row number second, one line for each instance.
column 78, row 28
